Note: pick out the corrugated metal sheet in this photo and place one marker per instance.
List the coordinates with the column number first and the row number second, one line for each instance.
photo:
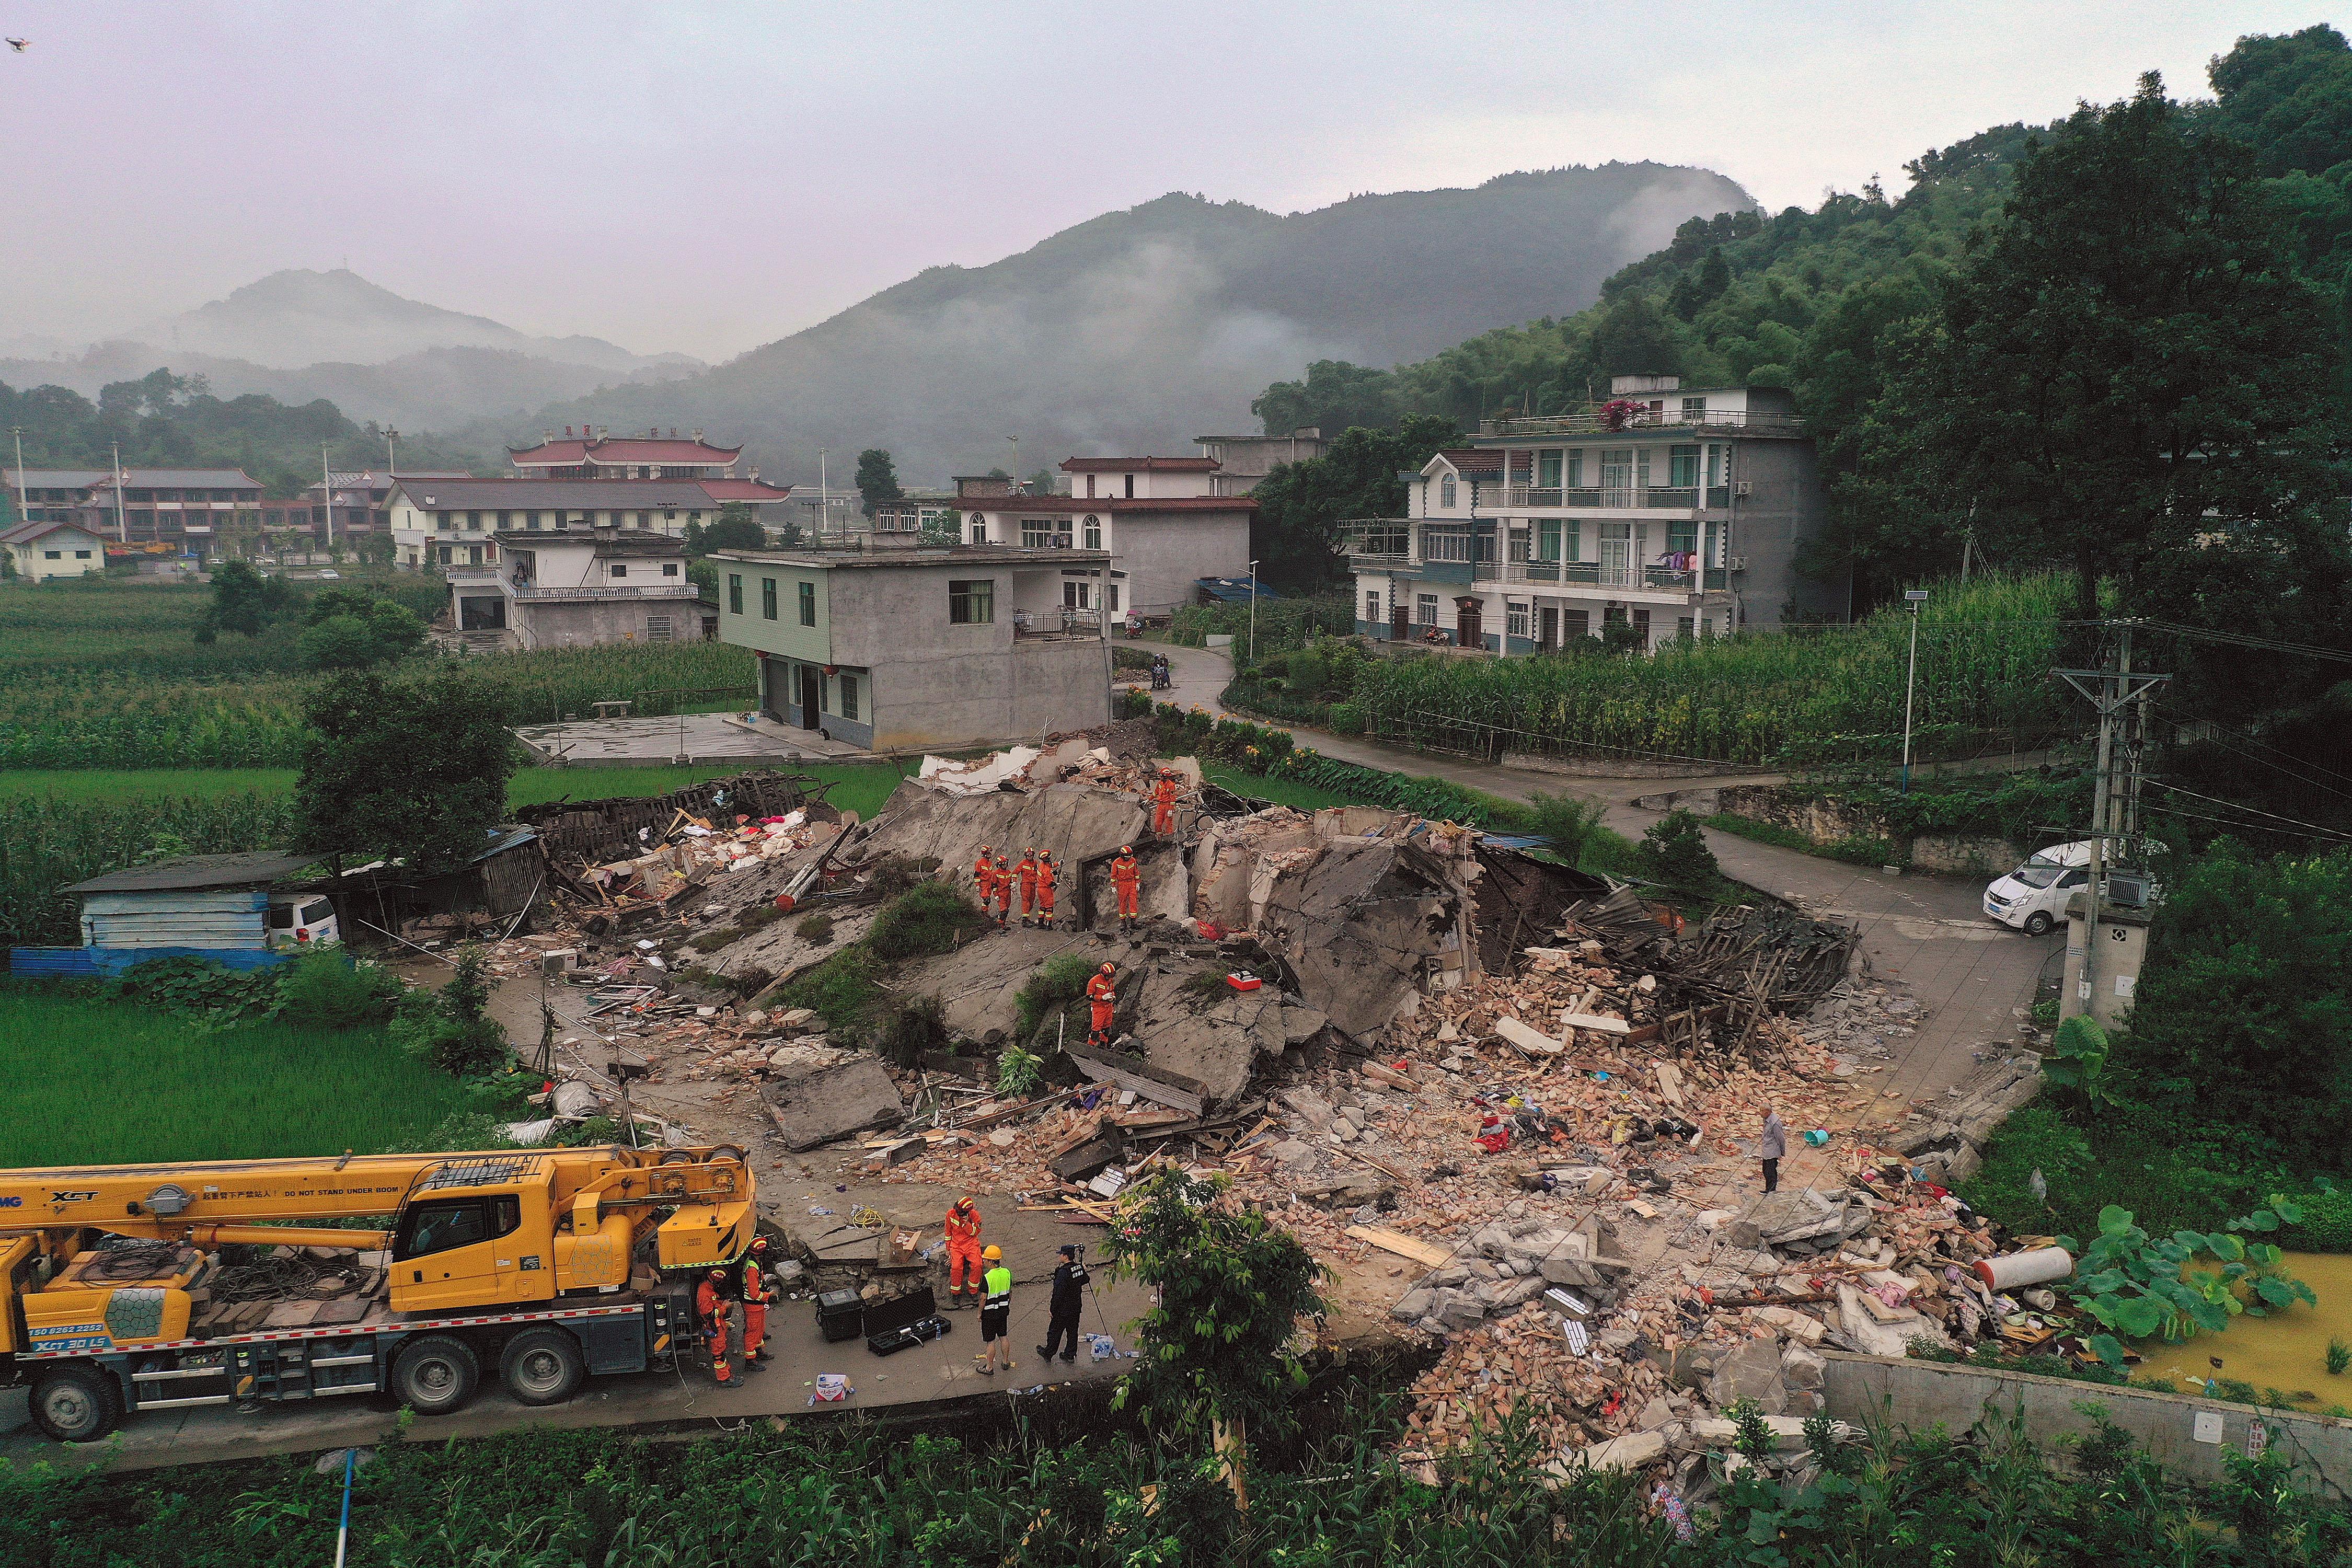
column 90, row 963
column 53, row 963
column 226, row 919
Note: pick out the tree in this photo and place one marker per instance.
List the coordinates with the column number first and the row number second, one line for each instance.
column 410, row 770
column 945, row 527
column 1336, row 395
column 351, row 628
column 244, row 600
column 733, row 529
column 1301, row 505
column 2242, row 1017
column 451, row 1029
column 1219, row 1348
column 2119, row 371
column 877, row 479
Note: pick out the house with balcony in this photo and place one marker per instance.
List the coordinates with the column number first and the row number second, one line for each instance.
column 566, row 588
column 457, row 522
column 893, row 644
column 1162, row 519
column 1671, row 513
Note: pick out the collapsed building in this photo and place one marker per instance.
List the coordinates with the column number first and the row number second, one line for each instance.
column 1513, row 1104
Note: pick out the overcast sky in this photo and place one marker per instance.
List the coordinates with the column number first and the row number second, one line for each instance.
column 707, row 177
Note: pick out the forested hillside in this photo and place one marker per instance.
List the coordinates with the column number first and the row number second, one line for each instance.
column 1824, row 302
column 163, row 420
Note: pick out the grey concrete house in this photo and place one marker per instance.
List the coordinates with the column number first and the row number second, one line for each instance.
column 1673, row 513
column 896, row 646
column 1245, row 461
column 1161, row 519
column 581, row 585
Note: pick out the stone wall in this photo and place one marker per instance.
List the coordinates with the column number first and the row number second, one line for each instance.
column 2184, row 1433
column 1827, row 822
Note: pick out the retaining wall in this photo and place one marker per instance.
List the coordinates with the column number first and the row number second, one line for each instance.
column 1828, row 822
column 2185, row 1434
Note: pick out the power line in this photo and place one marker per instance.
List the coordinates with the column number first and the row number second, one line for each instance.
column 2250, row 810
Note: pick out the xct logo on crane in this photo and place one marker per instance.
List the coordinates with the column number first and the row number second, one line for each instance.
column 82, row 1197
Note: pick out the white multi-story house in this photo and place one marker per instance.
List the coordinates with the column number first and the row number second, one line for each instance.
column 1672, row 512
column 563, row 588
column 1161, row 519
column 455, row 522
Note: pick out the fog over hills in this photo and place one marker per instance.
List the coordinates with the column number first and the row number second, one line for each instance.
column 1137, row 330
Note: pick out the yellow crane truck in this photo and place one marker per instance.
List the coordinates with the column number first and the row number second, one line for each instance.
column 129, row 1288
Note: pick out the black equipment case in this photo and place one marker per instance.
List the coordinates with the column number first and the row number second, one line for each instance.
column 840, row 1315
column 909, row 1320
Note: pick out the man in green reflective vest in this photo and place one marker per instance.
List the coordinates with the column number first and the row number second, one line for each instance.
column 995, row 1312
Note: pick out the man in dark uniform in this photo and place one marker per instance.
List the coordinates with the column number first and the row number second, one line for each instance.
column 1062, row 1312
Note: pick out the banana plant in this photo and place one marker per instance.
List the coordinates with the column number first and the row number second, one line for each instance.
column 2137, row 1284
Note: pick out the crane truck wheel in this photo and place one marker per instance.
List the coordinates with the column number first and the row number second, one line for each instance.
column 542, row 1366
column 76, row 1404
column 434, row 1374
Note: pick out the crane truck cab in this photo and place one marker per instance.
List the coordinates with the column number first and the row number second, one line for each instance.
column 126, row 1288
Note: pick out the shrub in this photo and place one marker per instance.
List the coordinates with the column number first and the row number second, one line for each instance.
column 2339, row 1356
column 1347, row 719
column 932, row 918
column 1675, row 852
column 1569, row 821
column 844, row 990
column 209, row 991
column 816, row 930
column 1017, row 1071
column 917, row 1024
column 1058, row 982
column 451, row 1029
column 326, row 988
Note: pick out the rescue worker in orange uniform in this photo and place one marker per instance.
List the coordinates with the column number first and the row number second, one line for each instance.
column 1163, row 806
column 1004, row 874
column 984, row 876
column 717, row 1312
column 1027, row 872
column 1046, row 874
column 1102, row 992
column 963, row 1252
column 1124, row 875
column 757, row 1292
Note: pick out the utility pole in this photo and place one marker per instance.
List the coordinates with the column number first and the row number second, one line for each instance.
column 121, row 528
column 327, row 494
column 2110, row 692
column 824, row 502
column 1253, row 614
column 23, row 512
column 391, row 453
column 1916, row 596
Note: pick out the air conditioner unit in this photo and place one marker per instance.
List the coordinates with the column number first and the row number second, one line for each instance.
column 1743, row 488
column 1737, row 563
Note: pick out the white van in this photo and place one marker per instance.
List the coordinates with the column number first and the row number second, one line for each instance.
column 301, row 919
column 2032, row 898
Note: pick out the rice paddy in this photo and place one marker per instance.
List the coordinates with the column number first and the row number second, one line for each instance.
column 94, row 1082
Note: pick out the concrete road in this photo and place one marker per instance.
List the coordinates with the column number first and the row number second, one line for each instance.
column 940, row 1372
column 1973, row 979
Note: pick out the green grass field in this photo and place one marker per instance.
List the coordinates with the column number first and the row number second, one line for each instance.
column 95, row 1082
column 1282, row 792
column 861, row 787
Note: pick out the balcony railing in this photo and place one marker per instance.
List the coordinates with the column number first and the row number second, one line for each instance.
column 1670, row 497
column 623, row 591
column 1593, row 574
column 1665, row 419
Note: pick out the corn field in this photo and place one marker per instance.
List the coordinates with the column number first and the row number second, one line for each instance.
column 1801, row 696
column 103, row 718
column 47, row 843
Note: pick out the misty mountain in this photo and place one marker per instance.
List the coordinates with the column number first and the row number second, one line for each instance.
column 297, row 318
column 1135, row 331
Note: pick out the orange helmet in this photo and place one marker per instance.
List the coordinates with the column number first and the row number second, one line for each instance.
column 963, row 1203
column 1127, row 849
column 718, row 1274
column 1110, row 969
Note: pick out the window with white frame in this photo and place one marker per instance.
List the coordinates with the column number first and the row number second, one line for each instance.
column 979, row 529
column 658, row 628
column 1693, row 409
column 1424, row 609
column 1446, row 544
column 1514, row 617
column 1548, row 470
column 1093, row 533
column 1445, row 494
column 1576, row 468
column 1037, row 533
column 1518, row 544
column 1372, row 604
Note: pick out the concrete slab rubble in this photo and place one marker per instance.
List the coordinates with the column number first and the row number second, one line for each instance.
column 832, row 1102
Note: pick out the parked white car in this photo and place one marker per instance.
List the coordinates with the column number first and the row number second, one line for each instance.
column 2032, row 898
column 301, row 919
